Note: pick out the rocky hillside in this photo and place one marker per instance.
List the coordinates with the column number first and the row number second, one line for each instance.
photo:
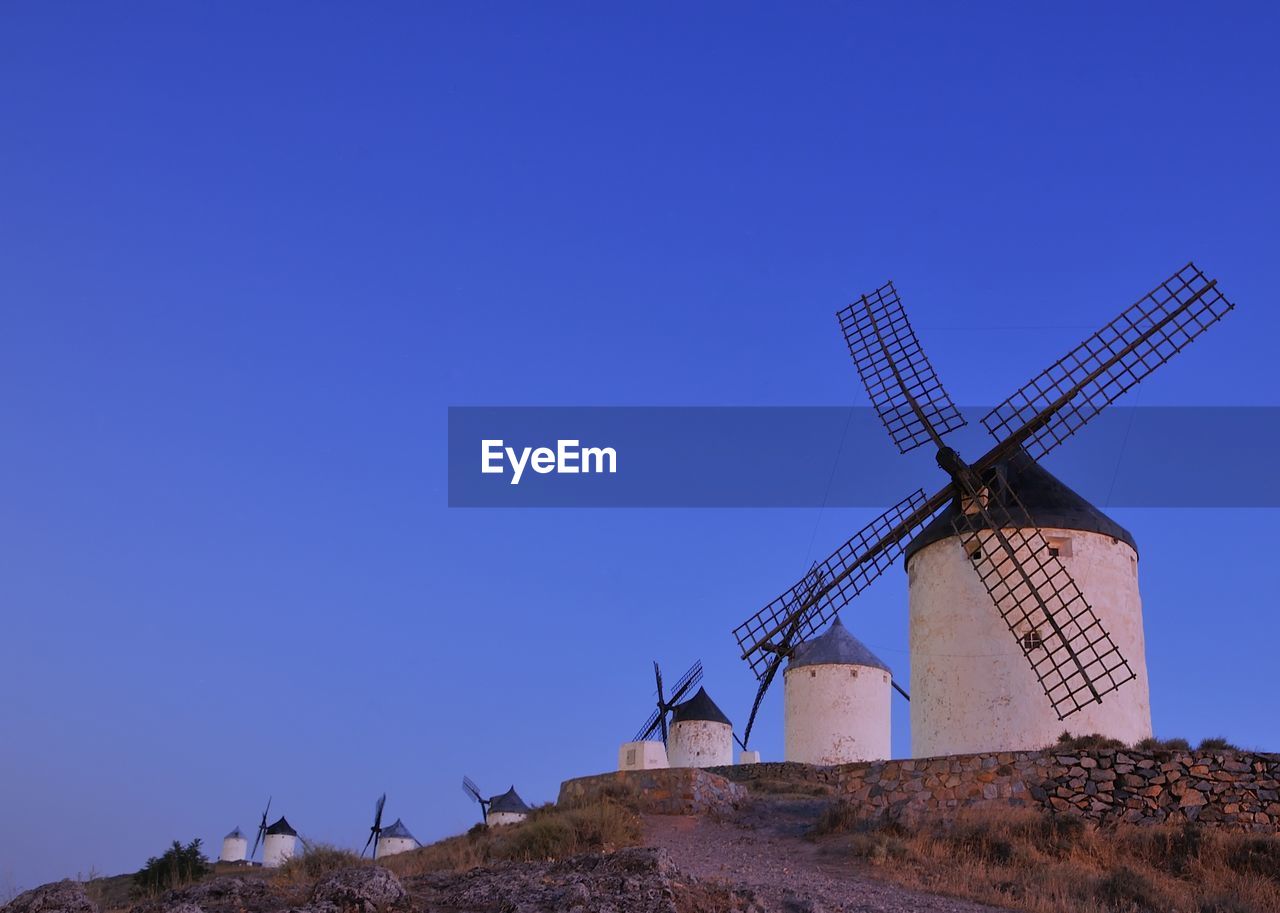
column 784, row 840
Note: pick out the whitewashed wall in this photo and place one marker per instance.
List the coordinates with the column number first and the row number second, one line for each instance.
column 700, row 743
column 972, row 689
column 836, row 713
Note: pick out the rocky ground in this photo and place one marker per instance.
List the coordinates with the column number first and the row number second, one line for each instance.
column 752, row 861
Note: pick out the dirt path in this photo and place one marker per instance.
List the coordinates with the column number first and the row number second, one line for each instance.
column 763, row 848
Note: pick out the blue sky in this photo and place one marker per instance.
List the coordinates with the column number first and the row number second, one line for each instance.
column 248, row 257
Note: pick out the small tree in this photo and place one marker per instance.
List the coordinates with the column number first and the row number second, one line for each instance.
column 180, row 865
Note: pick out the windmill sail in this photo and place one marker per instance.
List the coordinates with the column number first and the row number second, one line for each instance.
column 845, row 573
column 902, row 384
column 1060, row 400
column 658, row 719
column 1070, row 652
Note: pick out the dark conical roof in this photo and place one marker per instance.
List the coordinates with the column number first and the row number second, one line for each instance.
column 699, row 707
column 1047, row 499
column 235, row 833
column 282, row 827
column 835, row 646
column 509, row 801
column 397, row 830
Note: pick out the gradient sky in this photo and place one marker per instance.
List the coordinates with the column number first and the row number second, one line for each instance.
column 249, row 255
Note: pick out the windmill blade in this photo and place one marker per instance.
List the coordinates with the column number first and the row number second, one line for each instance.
column 376, row 829
column 655, row 721
column 687, row 681
column 377, row 812
column 1070, row 652
column 782, row 650
column 471, row 790
column 1058, row 402
column 765, row 682
column 904, row 388
column 262, row 828
column 845, row 573
column 662, row 701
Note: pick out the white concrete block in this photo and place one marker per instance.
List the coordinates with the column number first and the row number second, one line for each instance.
column 642, row 756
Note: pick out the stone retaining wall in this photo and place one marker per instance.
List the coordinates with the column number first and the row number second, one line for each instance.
column 1233, row 790
column 660, row 791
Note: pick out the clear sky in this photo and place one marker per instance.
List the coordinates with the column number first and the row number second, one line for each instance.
column 250, row 253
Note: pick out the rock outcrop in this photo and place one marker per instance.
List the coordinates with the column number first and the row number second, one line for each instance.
column 660, row 791
column 636, row 880
column 58, row 897
column 362, row 889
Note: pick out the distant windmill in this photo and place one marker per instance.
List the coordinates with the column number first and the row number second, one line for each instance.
column 473, row 791
column 1011, row 522
column 262, row 830
column 507, row 808
column 657, row 721
column 376, row 830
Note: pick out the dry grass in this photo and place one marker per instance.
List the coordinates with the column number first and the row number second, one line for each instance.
column 316, row 860
column 606, row 823
column 1058, row 864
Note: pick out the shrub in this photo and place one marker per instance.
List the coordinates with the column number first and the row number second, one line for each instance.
column 1256, row 855
column 315, row 862
column 843, row 817
column 1150, row 743
column 179, row 865
column 549, row 837
column 1125, row 889
column 1217, row 743
column 1086, row 742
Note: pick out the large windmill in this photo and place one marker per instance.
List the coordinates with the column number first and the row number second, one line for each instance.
column 657, row 721
column 1070, row 652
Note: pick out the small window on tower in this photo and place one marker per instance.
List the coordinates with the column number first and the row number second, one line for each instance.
column 1031, row 640
column 1059, row 546
column 976, row 553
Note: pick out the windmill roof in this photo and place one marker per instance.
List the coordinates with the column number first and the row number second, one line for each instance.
column 699, row 707
column 282, row 827
column 509, row 801
column 397, row 830
column 1047, row 499
column 235, row 833
column 835, row 646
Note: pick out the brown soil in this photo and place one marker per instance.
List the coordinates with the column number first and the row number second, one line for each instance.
column 763, row 849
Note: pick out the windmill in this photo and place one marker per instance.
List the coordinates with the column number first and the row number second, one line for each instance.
column 376, row 830
column 1071, row 654
column 262, row 830
column 657, row 721
column 507, row 808
column 470, row 788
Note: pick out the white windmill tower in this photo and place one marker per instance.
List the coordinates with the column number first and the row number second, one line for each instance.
column 235, row 847
column 701, row 735
column 963, row 664
column 836, row 696
column 1003, row 637
column 279, row 845
column 394, row 839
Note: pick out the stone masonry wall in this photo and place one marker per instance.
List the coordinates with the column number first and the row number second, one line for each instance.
column 1229, row 789
column 660, row 791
